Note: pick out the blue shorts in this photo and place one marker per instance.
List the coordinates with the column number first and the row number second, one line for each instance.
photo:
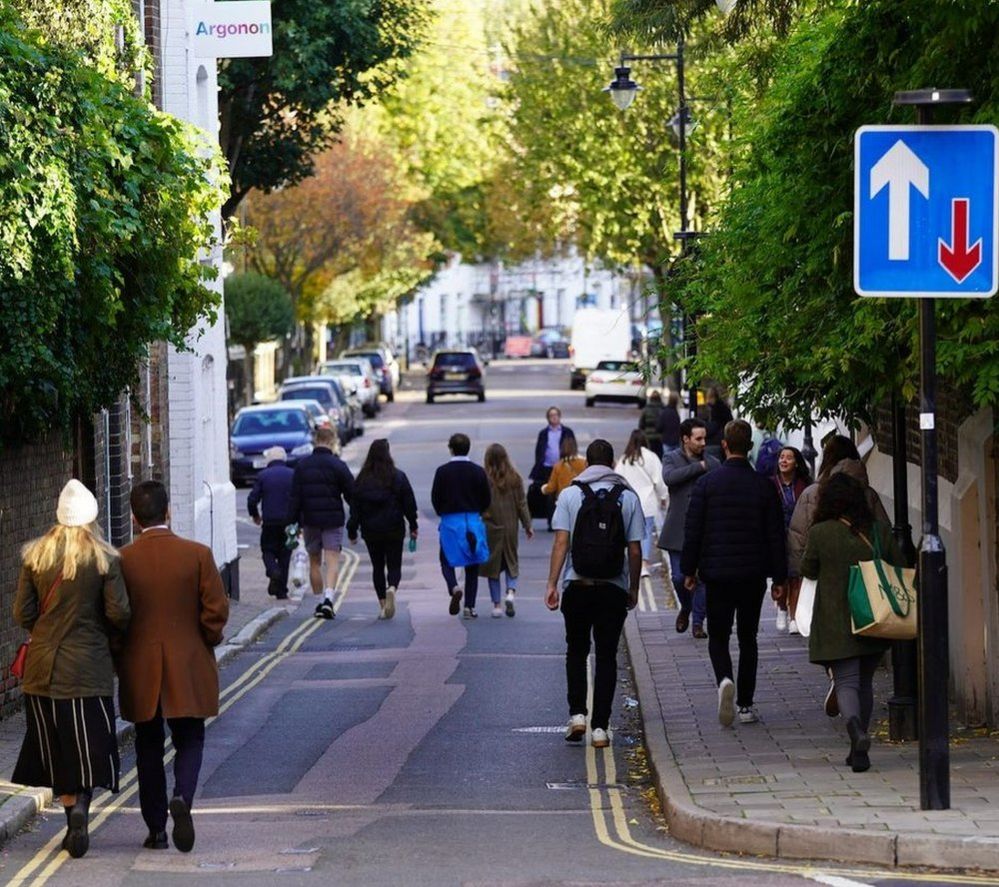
column 322, row 539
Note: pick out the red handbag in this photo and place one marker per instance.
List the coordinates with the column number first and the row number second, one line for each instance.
column 21, row 656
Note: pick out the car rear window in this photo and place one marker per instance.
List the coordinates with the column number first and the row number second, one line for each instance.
column 373, row 356
column 618, row 366
column 458, row 360
column 270, row 422
column 304, row 392
column 352, row 368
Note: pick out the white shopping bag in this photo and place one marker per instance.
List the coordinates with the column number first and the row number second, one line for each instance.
column 806, row 604
column 298, row 572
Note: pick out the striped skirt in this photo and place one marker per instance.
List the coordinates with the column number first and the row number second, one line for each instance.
column 70, row 744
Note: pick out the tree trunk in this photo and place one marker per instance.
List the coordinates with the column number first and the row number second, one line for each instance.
column 249, row 389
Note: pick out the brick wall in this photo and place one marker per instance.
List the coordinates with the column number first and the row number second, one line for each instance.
column 30, row 480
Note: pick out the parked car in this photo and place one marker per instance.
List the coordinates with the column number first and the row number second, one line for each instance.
column 456, row 372
column 385, row 365
column 256, row 428
column 357, row 376
column 616, row 380
column 319, row 415
column 597, row 334
column 550, row 343
column 328, row 391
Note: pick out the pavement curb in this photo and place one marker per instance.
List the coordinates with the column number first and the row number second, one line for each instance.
column 692, row 824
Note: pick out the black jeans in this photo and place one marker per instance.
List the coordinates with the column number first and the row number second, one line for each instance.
column 599, row 610
column 742, row 600
column 188, row 735
column 277, row 556
column 854, row 679
column 386, row 556
column 471, row 579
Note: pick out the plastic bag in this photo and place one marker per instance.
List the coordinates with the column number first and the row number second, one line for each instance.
column 298, row 571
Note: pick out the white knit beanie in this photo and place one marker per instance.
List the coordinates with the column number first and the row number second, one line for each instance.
column 77, row 505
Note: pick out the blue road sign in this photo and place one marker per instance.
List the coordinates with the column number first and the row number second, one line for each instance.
column 926, row 200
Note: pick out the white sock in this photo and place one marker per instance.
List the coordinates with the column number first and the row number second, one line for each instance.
column 328, row 594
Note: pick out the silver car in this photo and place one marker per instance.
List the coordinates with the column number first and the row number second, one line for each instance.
column 358, row 377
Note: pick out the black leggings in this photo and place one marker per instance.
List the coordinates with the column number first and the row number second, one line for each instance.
column 854, row 678
column 386, row 557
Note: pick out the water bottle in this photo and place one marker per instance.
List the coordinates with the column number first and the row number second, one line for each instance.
column 412, row 543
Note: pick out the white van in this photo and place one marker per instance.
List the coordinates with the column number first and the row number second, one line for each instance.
column 597, row 334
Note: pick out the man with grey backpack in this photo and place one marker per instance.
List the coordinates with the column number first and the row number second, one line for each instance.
column 598, row 524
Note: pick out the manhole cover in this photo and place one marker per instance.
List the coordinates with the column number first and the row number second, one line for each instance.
column 737, row 780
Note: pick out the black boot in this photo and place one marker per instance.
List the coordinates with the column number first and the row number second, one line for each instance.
column 860, row 743
column 65, row 838
column 77, row 838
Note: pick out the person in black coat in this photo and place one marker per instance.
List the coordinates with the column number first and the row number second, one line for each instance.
column 668, row 426
column 460, row 487
column 382, row 504
column 319, row 486
column 733, row 540
column 271, row 492
column 719, row 414
column 546, row 456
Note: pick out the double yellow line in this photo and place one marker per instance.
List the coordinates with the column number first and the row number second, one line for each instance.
column 50, row 857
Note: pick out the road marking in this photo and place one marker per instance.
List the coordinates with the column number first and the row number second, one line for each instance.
column 836, row 881
column 232, row 693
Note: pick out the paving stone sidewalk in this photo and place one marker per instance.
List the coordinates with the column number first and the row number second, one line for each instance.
column 781, row 787
column 249, row 617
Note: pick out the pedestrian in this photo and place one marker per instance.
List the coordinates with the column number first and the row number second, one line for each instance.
column 841, row 535
column 167, row 670
column 270, row 494
column 380, row 507
column 791, row 478
column 569, row 465
column 460, row 493
column 643, row 471
column 682, row 468
column 71, row 598
column 507, row 509
column 547, row 452
column 718, row 416
column 669, row 424
column 648, row 423
column 734, row 540
column 320, row 485
column 598, row 540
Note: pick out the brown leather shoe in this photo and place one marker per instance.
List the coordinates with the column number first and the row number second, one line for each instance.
column 699, row 632
column 682, row 622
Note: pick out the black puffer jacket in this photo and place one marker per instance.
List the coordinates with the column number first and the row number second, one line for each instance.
column 320, row 482
column 379, row 511
column 734, row 528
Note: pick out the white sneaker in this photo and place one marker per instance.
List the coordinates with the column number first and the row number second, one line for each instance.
column 381, row 609
column 748, row 715
column 510, row 611
column 576, row 728
column 792, row 627
column 390, row 602
column 469, row 613
column 645, row 572
column 599, row 738
column 497, row 611
column 782, row 620
column 726, row 702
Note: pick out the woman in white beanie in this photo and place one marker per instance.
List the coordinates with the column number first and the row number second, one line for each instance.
column 72, row 599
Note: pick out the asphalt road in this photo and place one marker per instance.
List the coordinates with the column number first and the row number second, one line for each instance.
column 425, row 750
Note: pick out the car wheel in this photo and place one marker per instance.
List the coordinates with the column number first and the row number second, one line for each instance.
column 590, row 401
column 390, row 397
column 482, row 396
column 430, row 398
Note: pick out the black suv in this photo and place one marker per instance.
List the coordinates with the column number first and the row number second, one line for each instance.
column 456, row 372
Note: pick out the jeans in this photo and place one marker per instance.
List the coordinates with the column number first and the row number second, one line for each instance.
column 599, row 610
column 690, row 601
column 188, row 735
column 495, row 593
column 742, row 601
column 276, row 555
column 386, row 557
column 648, row 538
column 854, row 679
column 471, row 579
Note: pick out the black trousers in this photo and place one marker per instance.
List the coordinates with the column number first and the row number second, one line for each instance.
column 741, row 601
column 471, row 579
column 188, row 735
column 386, row 557
column 277, row 556
column 600, row 611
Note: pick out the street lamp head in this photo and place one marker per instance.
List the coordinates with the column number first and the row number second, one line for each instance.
column 622, row 88
column 725, row 5
column 682, row 119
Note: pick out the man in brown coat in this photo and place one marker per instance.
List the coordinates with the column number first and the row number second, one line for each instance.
column 167, row 669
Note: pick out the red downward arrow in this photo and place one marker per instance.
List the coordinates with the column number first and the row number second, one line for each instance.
column 957, row 259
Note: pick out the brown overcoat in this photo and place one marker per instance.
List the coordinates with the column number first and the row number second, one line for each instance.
column 179, row 608
column 506, row 509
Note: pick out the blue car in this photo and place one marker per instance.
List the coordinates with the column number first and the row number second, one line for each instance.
column 257, row 428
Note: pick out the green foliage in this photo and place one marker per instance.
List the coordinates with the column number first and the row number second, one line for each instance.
column 655, row 20
column 104, row 208
column 258, row 309
column 774, row 282
column 279, row 112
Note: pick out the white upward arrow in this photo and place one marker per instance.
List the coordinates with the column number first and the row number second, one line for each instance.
column 897, row 169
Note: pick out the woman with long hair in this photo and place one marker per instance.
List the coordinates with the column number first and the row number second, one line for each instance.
column 507, row 509
column 568, row 467
column 644, row 472
column 844, row 532
column 71, row 598
column 791, row 477
column 381, row 505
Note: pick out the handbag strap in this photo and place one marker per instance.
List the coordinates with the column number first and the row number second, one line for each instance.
column 48, row 595
column 900, row 608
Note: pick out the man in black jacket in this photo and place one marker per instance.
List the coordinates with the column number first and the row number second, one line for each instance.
column 270, row 495
column 734, row 540
column 318, row 487
column 460, row 487
column 546, row 454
